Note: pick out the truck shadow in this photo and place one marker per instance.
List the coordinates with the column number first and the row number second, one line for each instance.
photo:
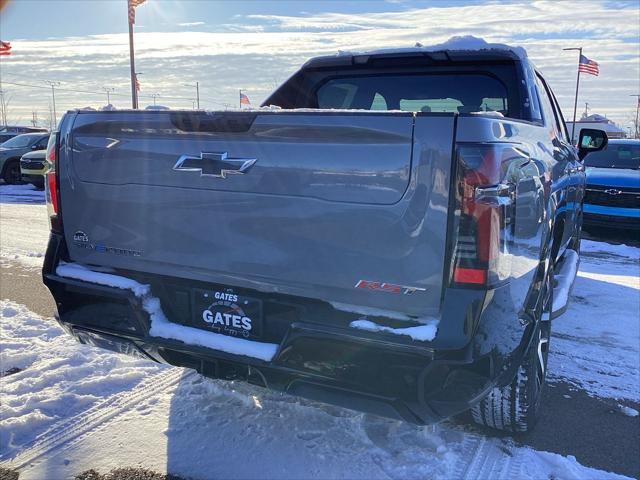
column 24, row 194
column 221, row 429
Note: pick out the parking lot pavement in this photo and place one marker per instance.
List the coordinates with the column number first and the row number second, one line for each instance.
column 596, row 431
column 24, row 286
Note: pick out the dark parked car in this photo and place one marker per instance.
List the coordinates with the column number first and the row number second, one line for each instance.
column 396, row 238
column 8, row 133
column 12, row 150
column 612, row 196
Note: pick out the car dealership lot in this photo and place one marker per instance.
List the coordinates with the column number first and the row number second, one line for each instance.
column 72, row 407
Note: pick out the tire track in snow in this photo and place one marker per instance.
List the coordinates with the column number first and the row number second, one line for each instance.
column 487, row 460
column 74, row 428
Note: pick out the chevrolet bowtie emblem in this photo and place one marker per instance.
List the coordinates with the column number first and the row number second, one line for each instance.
column 214, row 164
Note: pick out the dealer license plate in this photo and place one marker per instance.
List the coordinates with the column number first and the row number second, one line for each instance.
column 222, row 311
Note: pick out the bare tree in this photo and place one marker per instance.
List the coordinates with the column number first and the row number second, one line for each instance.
column 5, row 100
column 633, row 121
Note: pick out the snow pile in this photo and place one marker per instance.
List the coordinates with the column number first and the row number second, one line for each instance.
column 24, row 225
column 57, row 378
column 605, row 250
column 426, row 332
column 628, row 411
column 161, row 327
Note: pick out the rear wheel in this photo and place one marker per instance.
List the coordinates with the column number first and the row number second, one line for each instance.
column 11, row 174
column 515, row 407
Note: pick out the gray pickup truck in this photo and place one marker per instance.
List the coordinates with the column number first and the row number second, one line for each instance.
column 393, row 232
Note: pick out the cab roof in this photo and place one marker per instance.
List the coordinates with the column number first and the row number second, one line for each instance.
column 465, row 48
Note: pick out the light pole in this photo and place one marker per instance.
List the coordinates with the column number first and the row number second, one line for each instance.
column 53, row 97
column 155, row 95
column 108, row 90
column 575, row 103
column 636, row 126
column 197, row 87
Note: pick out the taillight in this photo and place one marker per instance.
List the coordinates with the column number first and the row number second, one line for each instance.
column 486, row 177
column 51, row 185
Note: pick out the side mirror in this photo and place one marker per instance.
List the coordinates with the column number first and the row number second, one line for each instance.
column 591, row 140
column 34, row 146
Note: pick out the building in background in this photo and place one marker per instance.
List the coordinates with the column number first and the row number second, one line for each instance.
column 596, row 121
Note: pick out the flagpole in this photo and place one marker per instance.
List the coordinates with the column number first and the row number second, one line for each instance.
column 575, row 103
column 134, row 93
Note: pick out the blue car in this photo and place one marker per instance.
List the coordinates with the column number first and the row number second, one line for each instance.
column 612, row 197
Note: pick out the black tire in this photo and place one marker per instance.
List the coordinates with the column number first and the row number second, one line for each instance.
column 515, row 407
column 11, row 174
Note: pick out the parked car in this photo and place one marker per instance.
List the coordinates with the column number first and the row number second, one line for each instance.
column 612, row 196
column 7, row 133
column 33, row 167
column 362, row 245
column 12, row 150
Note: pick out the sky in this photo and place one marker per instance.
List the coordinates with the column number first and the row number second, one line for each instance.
column 256, row 45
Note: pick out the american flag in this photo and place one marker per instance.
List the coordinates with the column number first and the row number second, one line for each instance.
column 244, row 100
column 132, row 9
column 5, row 48
column 588, row 66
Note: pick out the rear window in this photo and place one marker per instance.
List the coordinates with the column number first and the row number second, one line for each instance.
column 615, row 156
column 453, row 93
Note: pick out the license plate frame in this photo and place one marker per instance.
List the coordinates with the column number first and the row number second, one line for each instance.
column 226, row 312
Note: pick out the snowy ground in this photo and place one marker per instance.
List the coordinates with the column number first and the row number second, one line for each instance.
column 24, row 230
column 73, row 407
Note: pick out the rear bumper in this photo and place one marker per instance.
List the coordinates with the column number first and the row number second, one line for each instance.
column 363, row 371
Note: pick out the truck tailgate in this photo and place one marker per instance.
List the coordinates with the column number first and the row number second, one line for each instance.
column 302, row 203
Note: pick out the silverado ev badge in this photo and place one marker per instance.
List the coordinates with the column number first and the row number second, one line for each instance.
column 214, row 164
column 224, row 315
column 81, row 240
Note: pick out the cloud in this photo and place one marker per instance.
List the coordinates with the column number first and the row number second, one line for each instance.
column 191, row 24
column 258, row 51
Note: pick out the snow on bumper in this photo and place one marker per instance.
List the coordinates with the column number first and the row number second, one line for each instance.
column 161, row 327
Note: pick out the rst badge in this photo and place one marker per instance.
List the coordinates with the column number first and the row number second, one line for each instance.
column 388, row 287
